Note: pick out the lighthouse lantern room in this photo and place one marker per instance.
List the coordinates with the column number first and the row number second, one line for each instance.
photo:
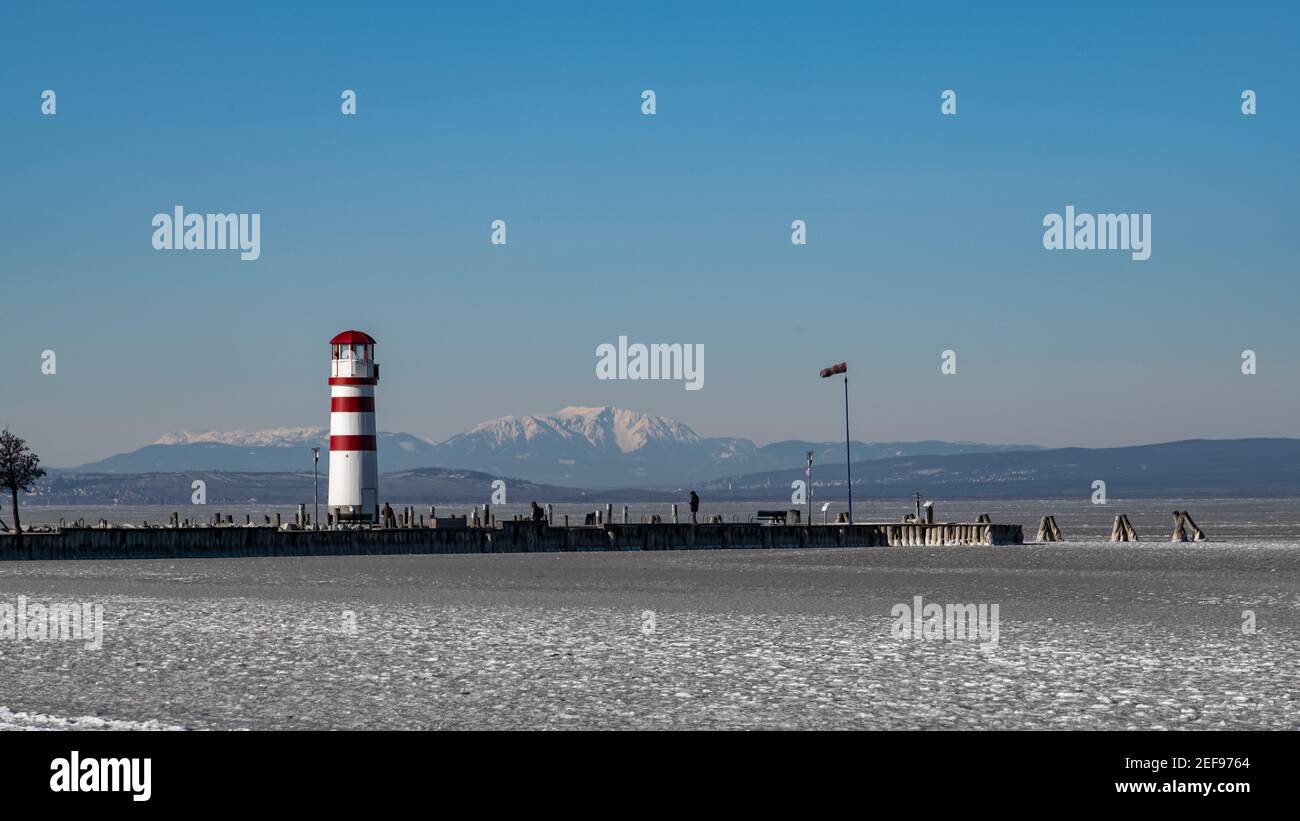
column 354, row 462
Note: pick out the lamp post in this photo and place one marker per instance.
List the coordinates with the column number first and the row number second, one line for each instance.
column 315, row 488
column 843, row 368
column 810, row 456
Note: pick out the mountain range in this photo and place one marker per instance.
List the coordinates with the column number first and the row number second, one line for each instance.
column 1196, row 467
column 1192, row 467
column 601, row 447
column 277, row 450
column 615, row 454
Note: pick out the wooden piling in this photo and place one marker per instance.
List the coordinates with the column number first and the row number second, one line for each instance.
column 1128, row 529
column 1123, row 530
column 1180, row 528
column 1048, row 531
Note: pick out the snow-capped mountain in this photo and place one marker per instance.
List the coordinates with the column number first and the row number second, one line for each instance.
column 615, row 447
column 591, row 447
column 271, row 438
column 273, row 450
column 600, row 428
column 600, row 447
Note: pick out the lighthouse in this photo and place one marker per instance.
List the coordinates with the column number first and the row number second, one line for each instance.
column 354, row 462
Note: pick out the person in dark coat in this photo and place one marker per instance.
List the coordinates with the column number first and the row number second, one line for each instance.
column 539, row 515
column 695, row 505
column 390, row 520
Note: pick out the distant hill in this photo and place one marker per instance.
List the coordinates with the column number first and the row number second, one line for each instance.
column 419, row 487
column 1227, row 467
column 271, row 451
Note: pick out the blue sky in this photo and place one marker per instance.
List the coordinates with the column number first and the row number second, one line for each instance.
column 924, row 231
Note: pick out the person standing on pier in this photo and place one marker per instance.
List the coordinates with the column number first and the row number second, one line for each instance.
column 390, row 519
column 695, row 505
column 539, row 515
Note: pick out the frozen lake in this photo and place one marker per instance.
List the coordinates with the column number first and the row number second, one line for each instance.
column 1091, row 635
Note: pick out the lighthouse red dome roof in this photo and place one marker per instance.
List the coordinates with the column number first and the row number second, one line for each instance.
column 353, row 338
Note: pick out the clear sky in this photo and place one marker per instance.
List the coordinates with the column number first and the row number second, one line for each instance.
column 924, row 230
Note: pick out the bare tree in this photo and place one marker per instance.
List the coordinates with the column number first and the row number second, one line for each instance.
column 19, row 470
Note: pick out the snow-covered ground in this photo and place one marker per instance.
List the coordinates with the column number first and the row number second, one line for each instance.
column 9, row 720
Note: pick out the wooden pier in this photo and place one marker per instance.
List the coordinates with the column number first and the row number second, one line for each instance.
column 249, row 540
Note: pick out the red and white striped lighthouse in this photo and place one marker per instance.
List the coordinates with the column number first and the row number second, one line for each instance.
column 354, row 461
